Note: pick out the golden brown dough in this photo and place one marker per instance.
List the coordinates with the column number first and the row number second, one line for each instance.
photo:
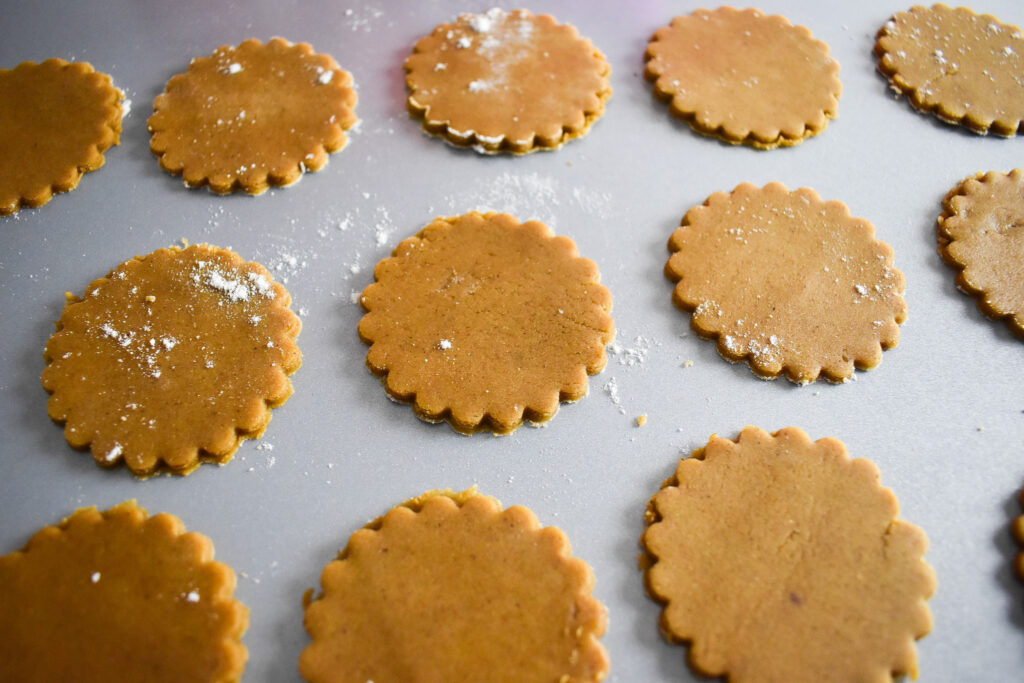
column 56, row 120
column 449, row 587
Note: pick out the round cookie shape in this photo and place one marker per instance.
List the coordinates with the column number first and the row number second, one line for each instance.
column 56, row 120
column 119, row 595
column 506, row 82
column 450, row 587
column 252, row 116
column 787, row 282
column 964, row 68
column 744, row 77
column 171, row 360
column 484, row 321
column 781, row 559
column 981, row 235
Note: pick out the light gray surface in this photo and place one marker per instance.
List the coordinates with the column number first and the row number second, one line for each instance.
column 942, row 416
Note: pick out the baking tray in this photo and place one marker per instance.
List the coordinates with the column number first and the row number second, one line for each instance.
column 942, row 415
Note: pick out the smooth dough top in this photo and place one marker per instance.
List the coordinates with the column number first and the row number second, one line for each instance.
column 455, row 589
column 963, row 67
column 744, row 77
column 56, row 120
column 981, row 234
column 781, row 559
column 119, row 596
column 483, row 321
column 788, row 282
column 172, row 359
column 252, row 116
column 507, row 82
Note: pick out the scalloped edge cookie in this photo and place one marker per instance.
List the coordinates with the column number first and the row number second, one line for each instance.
column 56, row 627
column 915, row 75
column 957, row 210
column 197, row 120
column 466, row 73
column 417, row 350
column 762, row 330
column 722, row 632
column 97, row 134
column 111, row 339
column 681, row 83
column 364, row 597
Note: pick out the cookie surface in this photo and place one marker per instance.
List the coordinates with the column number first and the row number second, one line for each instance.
column 781, row 559
column 506, row 82
column 455, row 589
column 56, row 120
column 964, row 68
column 981, row 235
column 787, row 282
column 119, row 596
column 252, row 116
column 484, row 321
column 172, row 359
column 744, row 77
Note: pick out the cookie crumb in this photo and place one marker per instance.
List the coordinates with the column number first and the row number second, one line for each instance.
column 641, row 420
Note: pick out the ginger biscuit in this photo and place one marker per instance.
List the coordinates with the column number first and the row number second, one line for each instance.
column 506, row 82
column 744, row 77
column 781, row 559
column 787, row 282
column 964, row 68
column 119, row 596
column 171, row 360
column 56, row 120
column 981, row 235
column 484, row 321
column 252, row 116
column 450, row 587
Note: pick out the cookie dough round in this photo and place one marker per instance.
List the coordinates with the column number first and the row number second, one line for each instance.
column 964, row 68
column 172, row 359
column 781, row 559
column 787, row 282
column 56, row 120
column 252, row 116
column 449, row 587
column 506, row 82
column 981, row 235
column 119, row 596
column 484, row 321
column 744, row 77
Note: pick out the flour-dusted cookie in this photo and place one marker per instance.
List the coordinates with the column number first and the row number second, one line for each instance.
column 781, row 559
column 964, row 68
column 744, row 77
column 56, row 120
column 252, row 116
column 787, row 282
column 506, row 82
column 449, row 587
column 172, row 359
column 119, row 596
column 484, row 321
column 981, row 235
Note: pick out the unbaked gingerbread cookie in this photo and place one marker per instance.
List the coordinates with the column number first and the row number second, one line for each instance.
column 787, row 282
column 744, row 77
column 781, row 559
column 484, row 321
column 172, row 359
column 450, row 587
column 981, row 235
column 56, row 120
column 119, row 596
column 252, row 116
column 506, row 82
column 964, row 68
